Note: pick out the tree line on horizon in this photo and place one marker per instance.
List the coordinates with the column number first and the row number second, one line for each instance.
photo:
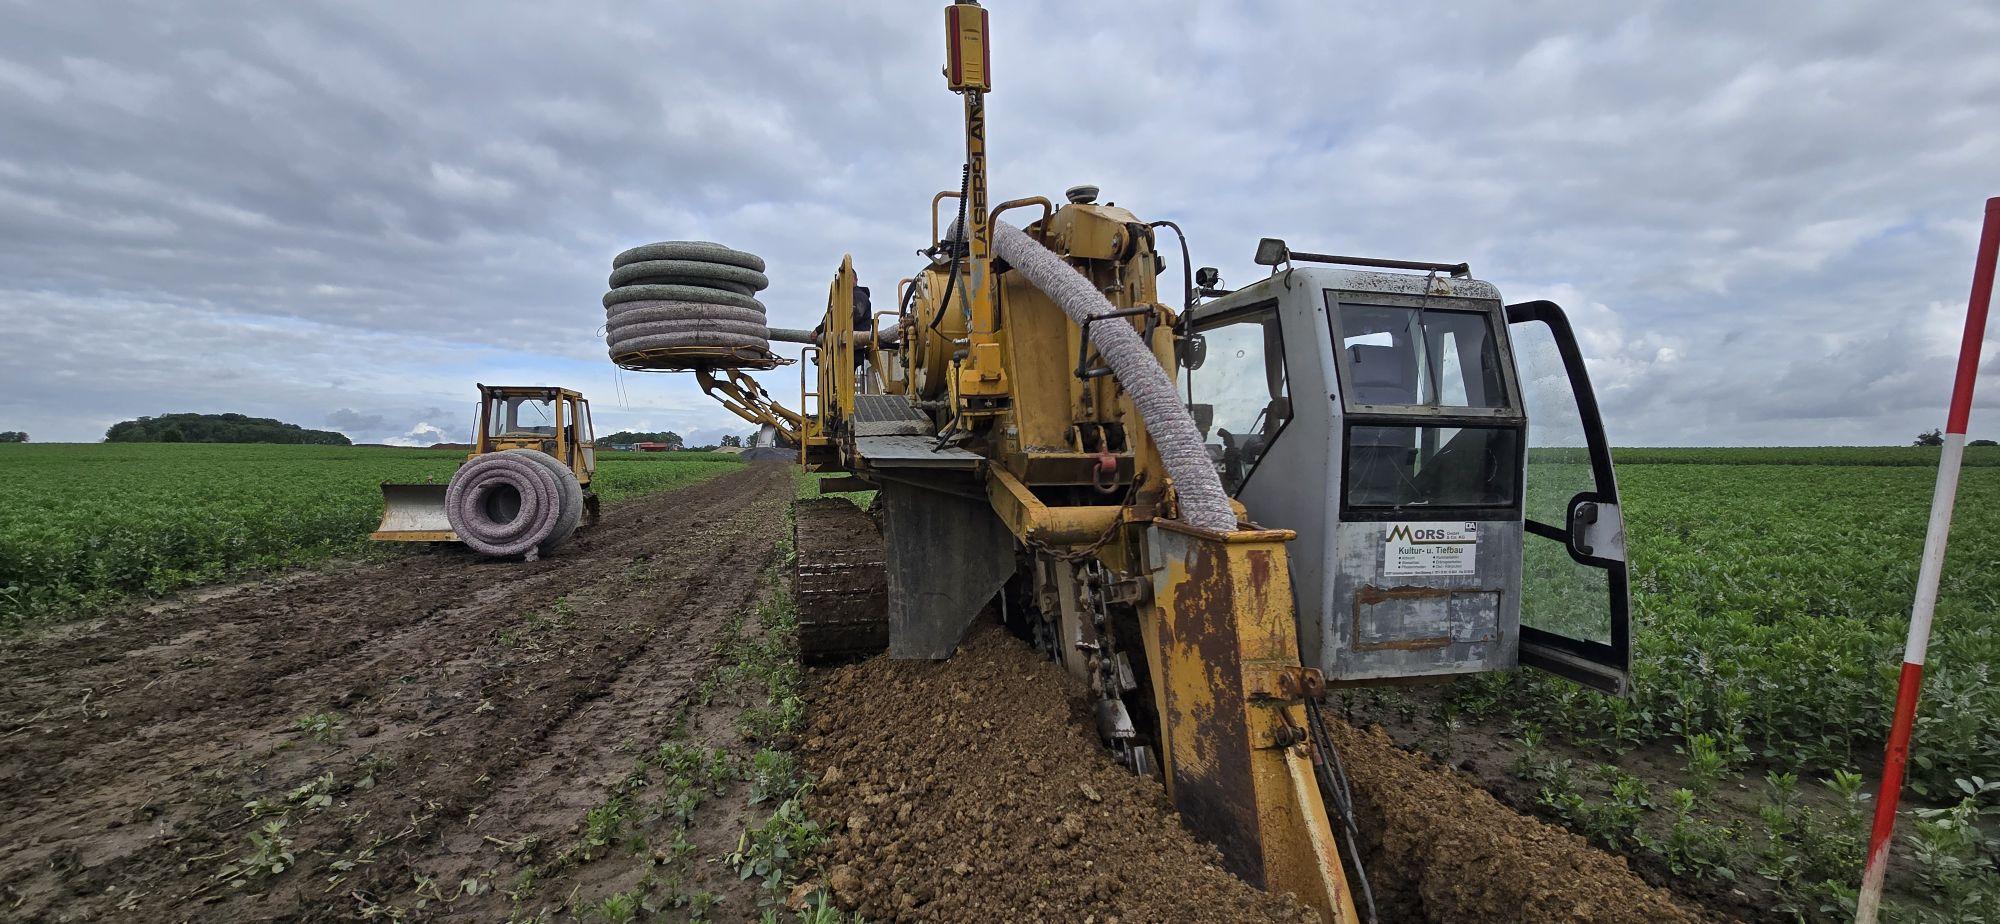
column 1935, row 437
column 673, row 441
column 218, row 428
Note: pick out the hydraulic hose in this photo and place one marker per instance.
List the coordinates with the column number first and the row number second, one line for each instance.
column 1187, row 293
column 1203, row 502
column 957, row 234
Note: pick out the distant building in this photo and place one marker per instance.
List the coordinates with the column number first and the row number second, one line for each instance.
column 652, row 447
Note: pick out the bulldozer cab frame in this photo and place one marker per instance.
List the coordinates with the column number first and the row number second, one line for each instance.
column 553, row 420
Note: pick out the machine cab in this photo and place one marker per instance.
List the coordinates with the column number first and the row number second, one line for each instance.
column 1440, row 456
column 553, row 420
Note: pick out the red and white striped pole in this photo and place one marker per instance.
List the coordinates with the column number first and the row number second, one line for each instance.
column 1927, row 577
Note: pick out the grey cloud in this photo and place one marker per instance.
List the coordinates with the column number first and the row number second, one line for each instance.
column 349, row 419
column 1763, row 212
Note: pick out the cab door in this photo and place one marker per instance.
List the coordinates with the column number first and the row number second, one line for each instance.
column 1575, row 598
column 586, row 441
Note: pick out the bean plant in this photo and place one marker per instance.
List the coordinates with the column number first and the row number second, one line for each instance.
column 1771, row 590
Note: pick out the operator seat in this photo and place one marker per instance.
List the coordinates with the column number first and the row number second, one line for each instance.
column 1383, row 458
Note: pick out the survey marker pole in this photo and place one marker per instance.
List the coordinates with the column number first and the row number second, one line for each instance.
column 1907, row 686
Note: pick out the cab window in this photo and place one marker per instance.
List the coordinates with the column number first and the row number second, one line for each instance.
column 1430, row 423
column 1237, row 393
column 1408, row 357
column 521, row 415
column 1408, row 466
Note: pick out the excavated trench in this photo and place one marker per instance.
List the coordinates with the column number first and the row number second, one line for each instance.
column 975, row 789
column 1439, row 848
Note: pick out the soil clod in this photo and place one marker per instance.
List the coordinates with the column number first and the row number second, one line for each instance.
column 1441, row 849
column 1017, row 811
column 1021, row 815
column 425, row 737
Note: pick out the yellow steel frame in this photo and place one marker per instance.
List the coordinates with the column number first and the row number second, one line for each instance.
column 1235, row 738
column 566, row 446
column 1220, row 636
column 426, row 535
column 742, row 396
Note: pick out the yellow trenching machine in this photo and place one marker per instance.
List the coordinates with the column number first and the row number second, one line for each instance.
column 1213, row 514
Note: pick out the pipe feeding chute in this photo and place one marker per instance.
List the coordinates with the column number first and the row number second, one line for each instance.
column 1203, row 502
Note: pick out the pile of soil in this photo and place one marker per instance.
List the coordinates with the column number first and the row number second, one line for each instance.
column 1439, row 848
column 975, row 789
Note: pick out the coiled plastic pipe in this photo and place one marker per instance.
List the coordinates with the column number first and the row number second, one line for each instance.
column 517, row 502
column 684, row 294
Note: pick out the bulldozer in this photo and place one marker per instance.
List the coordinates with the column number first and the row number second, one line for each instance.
column 524, row 487
column 1350, row 471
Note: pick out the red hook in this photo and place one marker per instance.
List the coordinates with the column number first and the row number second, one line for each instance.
column 1105, row 476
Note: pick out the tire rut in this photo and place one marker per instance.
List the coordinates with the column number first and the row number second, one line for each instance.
column 447, row 691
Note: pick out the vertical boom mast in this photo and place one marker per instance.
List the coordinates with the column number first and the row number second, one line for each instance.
column 980, row 382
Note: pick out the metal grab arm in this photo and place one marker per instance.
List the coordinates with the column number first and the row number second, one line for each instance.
column 746, row 399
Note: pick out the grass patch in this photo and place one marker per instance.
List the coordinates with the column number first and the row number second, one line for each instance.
column 92, row 524
column 1771, row 590
column 650, row 818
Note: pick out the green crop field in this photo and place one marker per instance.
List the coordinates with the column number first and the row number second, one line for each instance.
column 1868, row 456
column 1771, row 591
column 1770, row 604
column 1770, row 587
column 85, row 524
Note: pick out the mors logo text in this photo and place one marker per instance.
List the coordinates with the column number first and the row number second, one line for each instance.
column 1428, row 535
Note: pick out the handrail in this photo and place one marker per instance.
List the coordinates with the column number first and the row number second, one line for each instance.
column 940, row 197
column 1048, row 209
column 876, row 352
column 805, row 410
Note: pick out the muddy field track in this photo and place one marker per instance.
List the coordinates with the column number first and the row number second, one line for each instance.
column 423, row 735
column 437, row 737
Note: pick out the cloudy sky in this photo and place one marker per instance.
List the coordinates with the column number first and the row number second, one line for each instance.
column 1761, row 215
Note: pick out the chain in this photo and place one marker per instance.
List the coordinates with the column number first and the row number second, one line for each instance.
column 1104, row 538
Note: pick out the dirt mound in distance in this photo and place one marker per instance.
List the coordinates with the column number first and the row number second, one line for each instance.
column 974, row 789
column 1440, row 849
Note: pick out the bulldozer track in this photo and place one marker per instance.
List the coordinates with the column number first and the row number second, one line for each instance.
column 840, row 580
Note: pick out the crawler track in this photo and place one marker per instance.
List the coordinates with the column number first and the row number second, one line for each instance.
column 840, row 580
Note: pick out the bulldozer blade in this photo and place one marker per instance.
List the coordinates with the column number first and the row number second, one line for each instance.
column 413, row 513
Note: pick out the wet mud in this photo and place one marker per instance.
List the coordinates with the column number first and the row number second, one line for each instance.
column 410, row 738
